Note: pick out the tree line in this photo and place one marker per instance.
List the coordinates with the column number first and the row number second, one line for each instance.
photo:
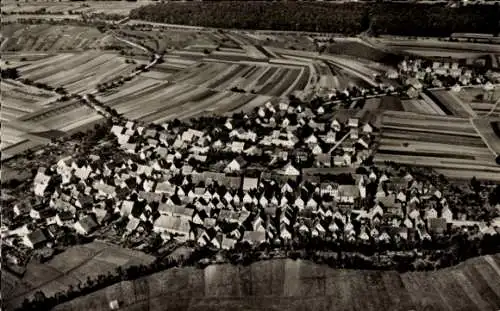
column 409, row 19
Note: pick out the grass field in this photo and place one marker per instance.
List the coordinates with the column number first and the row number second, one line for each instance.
column 301, row 285
column 432, row 140
column 70, row 267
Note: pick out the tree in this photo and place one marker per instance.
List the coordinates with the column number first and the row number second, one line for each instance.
column 10, row 73
column 475, row 184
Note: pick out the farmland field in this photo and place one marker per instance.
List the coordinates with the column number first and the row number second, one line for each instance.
column 18, row 99
column 107, row 7
column 490, row 132
column 302, row 285
column 361, row 50
column 449, row 103
column 432, row 141
column 77, row 72
column 70, row 267
column 155, row 101
column 461, row 49
column 38, row 127
column 481, row 102
column 54, row 38
column 191, row 88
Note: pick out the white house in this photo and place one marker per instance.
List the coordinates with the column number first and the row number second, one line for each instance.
column 289, row 170
column 85, row 225
column 41, row 182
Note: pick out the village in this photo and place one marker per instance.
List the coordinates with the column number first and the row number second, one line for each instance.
column 284, row 174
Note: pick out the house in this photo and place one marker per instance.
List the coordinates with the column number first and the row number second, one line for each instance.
column 329, row 189
column 431, row 213
column 35, row 239
column 228, row 243
column 330, row 137
column 126, row 208
column 190, row 134
column 114, row 305
column 250, row 183
column 412, row 92
column 316, row 150
column 132, row 224
column 285, row 234
column 235, row 165
column 289, row 170
column 323, row 160
column 173, row 225
column 437, row 225
column 354, row 133
column 348, row 193
column 311, row 139
column 447, row 215
column 85, row 225
column 65, row 218
column 104, row 189
column 100, row 213
column 237, row 146
column 336, row 126
column 353, row 122
column 41, row 182
column 21, row 209
column 254, row 237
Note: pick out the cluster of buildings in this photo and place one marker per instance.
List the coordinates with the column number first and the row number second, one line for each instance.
column 417, row 74
column 276, row 175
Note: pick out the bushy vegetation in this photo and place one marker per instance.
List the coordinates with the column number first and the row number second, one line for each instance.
column 348, row 18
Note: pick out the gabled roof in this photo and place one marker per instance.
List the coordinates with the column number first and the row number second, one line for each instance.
column 173, row 223
column 289, row 170
column 88, row 223
column 254, row 237
column 37, row 236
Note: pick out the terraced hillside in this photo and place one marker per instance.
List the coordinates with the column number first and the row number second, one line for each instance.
column 301, row 285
